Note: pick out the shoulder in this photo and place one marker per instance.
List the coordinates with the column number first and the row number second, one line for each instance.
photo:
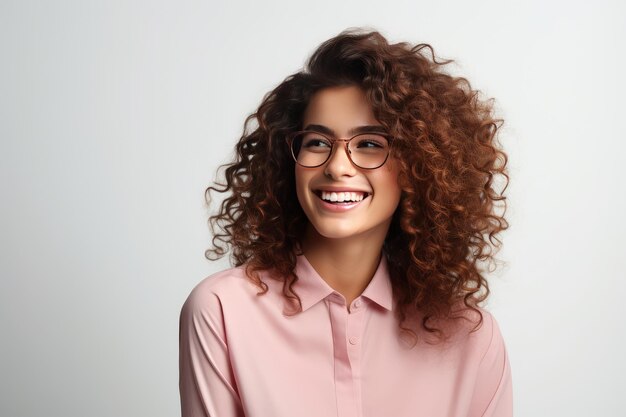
column 489, row 331
column 481, row 341
column 473, row 332
column 206, row 297
column 225, row 281
column 480, row 327
column 491, row 340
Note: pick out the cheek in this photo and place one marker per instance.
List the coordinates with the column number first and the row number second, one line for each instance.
column 390, row 189
column 301, row 183
column 389, row 180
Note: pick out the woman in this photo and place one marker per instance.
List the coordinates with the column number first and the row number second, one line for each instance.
column 360, row 211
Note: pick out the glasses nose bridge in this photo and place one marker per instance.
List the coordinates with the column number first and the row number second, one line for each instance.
column 345, row 148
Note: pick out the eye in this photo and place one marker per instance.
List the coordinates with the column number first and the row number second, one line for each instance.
column 315, row 142
column 371, row 142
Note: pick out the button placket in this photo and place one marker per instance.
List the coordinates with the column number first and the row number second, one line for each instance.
column 348, row 394
column 355, row 325
column 355, row 322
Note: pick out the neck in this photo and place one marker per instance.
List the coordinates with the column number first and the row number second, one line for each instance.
column 347, row 265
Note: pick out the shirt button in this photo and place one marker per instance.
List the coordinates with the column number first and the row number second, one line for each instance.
column 357, row 304
column 353, row 340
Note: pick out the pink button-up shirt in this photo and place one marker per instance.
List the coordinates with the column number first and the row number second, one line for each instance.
column 241, row 356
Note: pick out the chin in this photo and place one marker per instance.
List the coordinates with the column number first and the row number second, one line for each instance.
column 336, row 235
column 335, row 231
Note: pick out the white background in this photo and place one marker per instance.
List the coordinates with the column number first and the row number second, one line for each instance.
column 114, row 116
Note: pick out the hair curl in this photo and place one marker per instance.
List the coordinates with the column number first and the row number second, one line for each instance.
column 449, row 156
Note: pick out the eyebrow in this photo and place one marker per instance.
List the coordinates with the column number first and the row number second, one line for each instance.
column 353, row 131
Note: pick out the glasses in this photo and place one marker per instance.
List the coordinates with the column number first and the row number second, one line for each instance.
column 366, row 150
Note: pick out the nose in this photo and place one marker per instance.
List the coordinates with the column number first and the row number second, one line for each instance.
column 339, row 164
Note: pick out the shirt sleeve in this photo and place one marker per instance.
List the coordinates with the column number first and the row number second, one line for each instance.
column 493, row 395
column 207, row 384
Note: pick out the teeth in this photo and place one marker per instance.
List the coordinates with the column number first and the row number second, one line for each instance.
column 342, row 196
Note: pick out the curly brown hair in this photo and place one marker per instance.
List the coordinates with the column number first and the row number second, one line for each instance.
column 445, row 141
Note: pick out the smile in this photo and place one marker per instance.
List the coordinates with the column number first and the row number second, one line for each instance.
column 341, row 196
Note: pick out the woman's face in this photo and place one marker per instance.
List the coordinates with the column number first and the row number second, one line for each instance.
column 342, row 109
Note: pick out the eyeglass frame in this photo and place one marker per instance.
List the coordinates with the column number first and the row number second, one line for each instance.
column 332, row 140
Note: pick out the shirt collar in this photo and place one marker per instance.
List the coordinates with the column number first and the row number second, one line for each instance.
column 311, row 287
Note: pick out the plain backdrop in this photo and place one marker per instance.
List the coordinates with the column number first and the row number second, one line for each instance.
column 114, row 116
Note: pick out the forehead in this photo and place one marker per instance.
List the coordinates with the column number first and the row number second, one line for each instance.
column 339, row 108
